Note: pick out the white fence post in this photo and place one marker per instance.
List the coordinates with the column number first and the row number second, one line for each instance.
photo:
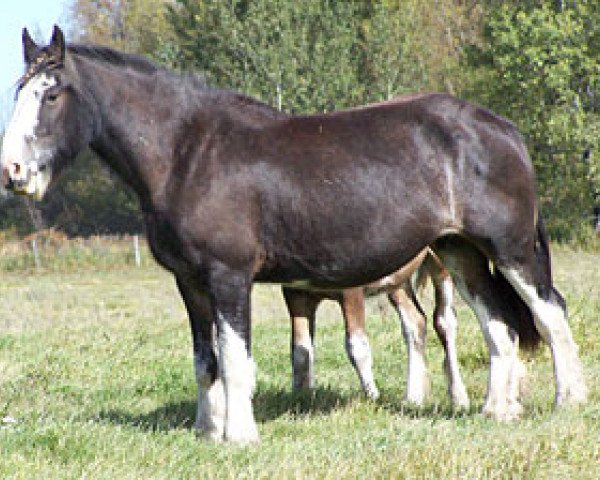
column 136, row 250
column 36, row 254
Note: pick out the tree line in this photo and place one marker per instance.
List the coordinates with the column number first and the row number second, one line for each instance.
column 534, row 61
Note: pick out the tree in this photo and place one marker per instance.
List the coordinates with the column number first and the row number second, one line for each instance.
column 413, row 46
column 299, row 56
column 539, row 67
column 137, row 26
column 88, row 199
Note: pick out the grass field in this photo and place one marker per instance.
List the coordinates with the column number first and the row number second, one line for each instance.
column 96, row 381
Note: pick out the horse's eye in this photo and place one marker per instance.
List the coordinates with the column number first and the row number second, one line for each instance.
column 52, row 97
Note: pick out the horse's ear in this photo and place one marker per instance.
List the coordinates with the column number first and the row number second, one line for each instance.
column 30, row 49
column 56, row 49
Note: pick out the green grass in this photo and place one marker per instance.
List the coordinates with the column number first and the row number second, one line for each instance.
column 96, row 370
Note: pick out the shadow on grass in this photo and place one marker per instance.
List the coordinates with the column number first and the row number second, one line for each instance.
column 444, row 410
column 170, row 416
column 272, row 404
column 268, row 405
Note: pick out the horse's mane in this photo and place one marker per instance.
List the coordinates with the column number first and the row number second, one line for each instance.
column 114, row 57
column 137, row 62
column 253, row 108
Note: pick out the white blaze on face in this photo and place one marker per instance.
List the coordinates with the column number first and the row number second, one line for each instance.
column 21, row 150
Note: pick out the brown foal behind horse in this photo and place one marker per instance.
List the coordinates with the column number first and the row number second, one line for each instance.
column 302, row 305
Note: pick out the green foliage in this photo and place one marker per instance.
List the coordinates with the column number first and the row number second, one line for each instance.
column 138, row 26
column 539, row 67
column 534, row 61
column 391, row 62
column 315, row 55
column 88, row 200
column 300, row 56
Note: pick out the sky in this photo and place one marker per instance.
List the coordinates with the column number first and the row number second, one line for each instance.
column 38, row 16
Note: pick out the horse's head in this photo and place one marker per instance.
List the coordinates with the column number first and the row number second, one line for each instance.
column 48, row 126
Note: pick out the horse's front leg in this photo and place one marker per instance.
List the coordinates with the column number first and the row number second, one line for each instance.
column 210, row 414
column 230, row 298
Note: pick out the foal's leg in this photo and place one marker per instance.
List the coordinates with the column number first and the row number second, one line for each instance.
column 229, row 292
column 302, row 306
column 445, row 325
column 357, row 342
column 476, row 285
column 550, row 320
column 414, row 330
column 210, row 415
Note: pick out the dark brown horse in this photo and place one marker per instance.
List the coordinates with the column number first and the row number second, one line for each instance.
column 233, row 193
column 302, row 305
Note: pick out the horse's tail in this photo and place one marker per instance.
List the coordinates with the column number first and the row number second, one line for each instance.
column 522, row 321
column 543, row 268
column 520, row 318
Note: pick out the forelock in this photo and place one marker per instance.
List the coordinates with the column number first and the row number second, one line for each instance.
column 43, row 62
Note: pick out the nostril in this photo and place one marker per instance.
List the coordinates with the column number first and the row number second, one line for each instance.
column 6, row 180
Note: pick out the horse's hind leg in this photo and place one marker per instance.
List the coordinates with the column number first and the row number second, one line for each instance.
column 357, row 342
column 474, row 281
column 550, row 320
column 414, row 331
column 302, row 306
column 445, row 325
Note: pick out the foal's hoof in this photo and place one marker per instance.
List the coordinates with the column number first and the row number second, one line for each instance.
column 415, row 401
column 461, row 401
column 242, row 436
column 575, row 396
column 371, row 392
column 209, row 435
column 209, row 428
column 417, row 396
column 302, row 384
column 508, row 413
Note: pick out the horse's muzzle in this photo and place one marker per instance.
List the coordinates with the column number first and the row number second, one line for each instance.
column 7, row 182
column 14, row 179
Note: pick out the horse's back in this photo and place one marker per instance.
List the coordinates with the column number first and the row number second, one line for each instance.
column 356, row 194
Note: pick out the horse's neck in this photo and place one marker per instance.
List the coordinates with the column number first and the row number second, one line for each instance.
column 136, row 135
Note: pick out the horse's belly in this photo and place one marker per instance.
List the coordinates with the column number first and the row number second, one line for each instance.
column 343, row 272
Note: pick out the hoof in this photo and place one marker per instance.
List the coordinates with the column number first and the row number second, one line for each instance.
column 302, row 384
column 302, row 367
column 417, row 396
column 212, row 435
column 508, row 413
column 416, row 400
column 240, row 436
column 460, row 400
column 575, row 396
column 371, row 392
